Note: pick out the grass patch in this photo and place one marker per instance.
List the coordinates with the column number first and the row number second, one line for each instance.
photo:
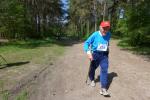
column 22, row 96
column 1, row 85
column 32, row 50
column 143, row 49
column 5, row 95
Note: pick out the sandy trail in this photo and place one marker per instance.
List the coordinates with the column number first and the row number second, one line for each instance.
column 129, row 77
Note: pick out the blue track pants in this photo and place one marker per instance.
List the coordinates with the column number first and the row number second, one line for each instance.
column 100, row 59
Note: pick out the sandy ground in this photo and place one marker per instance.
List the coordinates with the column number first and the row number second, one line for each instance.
column 129, row 77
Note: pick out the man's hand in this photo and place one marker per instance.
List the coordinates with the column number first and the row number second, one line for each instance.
column 89, row 54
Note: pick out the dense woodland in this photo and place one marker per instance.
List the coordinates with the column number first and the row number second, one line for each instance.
column 22, row 19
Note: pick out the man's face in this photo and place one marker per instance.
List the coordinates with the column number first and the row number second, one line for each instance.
column 104, row 30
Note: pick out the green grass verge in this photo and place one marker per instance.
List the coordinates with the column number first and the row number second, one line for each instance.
column 143, row 49
column 32, row 50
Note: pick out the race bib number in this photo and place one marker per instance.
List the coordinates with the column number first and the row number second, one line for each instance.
column 102, row 47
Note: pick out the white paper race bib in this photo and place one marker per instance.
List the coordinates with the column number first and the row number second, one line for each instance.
column 102, row 47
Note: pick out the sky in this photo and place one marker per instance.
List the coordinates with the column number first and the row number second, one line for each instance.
column 65, row 2
column 65, row 7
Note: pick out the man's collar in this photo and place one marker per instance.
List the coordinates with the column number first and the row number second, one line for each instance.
column 100, row 33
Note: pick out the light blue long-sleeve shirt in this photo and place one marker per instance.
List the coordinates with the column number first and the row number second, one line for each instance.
column 97, row 42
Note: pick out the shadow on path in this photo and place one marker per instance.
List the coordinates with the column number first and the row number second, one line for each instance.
column 110, row 78
column 13, row 64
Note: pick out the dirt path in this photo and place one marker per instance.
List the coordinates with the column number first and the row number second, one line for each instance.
column 129, row 77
